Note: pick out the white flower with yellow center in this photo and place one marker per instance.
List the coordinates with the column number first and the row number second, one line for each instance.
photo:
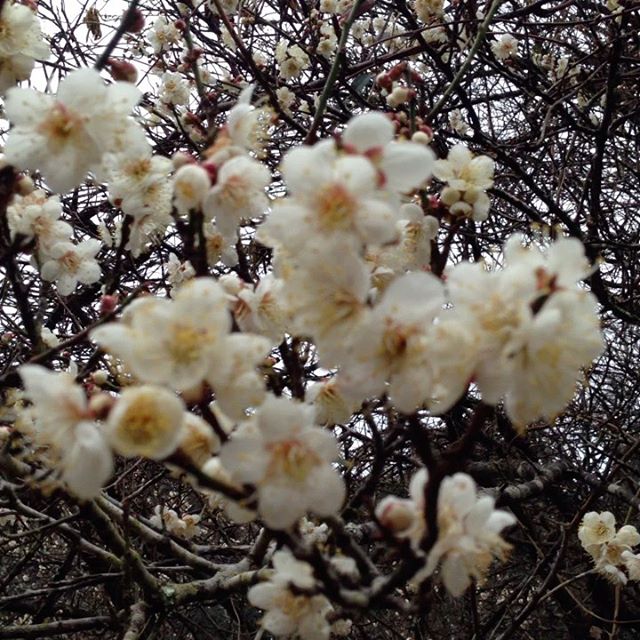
column 289, row 461
column 238, row 193
column 331, row 195
column 171, row 342
column 174, row 90
column 146, row 421
column 62, row 421
column 468, row 529
column 38, row 216
column 467, row 177
column 326, row 293
column 191, row 184
column 21, row 43
column 139, row 185
column 290, row 613
column 164, row 35
column 534, row 327
column 67, row 136
column 198, row 441
column 68, row 264
column 392, row 345
column 234, row 377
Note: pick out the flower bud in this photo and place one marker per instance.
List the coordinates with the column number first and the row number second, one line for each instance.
column 122, row 70
column 108, row 303
column 395, row 515
column 135, row 21
column 25, row 185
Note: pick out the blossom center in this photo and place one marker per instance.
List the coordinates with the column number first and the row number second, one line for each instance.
column 61, row 124
column 291, row 459
column 336, row 207
column 186, row 344
column 142, row 423
column 71, row 261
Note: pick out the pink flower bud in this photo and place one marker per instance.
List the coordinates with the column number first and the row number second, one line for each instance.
column 122, row 70
column 135, row 23
column 108, row 303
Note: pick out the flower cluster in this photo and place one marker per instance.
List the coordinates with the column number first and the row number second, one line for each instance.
column 468, row 529
column 185, row 527
column 611, row 550
column 36, row 217
column 191, row 344
column 467, row 179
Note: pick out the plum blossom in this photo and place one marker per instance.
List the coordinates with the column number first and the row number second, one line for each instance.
column 63, row 422
column 392, row 344
column 411, row 253
column 37, row 216
column 163, row 35
column 300, row 613
column 72, row 133
column 185, row 527
column 535, row 327
column 330, row 195
column 467, row 179
column 191, row 184
column 138, row 184
column 147, row 420
column 21, row 44
column 239, row 193
column 245, row 131
column 174, row 90
column 182, row 346
column 68, row 264
column 610, row 550
column 402, row 166
column 198, row 441
column 469, row 529
column 260, row 310
column 292, row 60
column 506, row 46
column 288, row 459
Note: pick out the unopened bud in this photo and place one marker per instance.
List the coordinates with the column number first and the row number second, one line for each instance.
column 100, row 376
column 100, row 404
column 25, row 185
column 108, row 303
column 180, row 158
column 122, row 70
column 395, row 515
column 421, row 137
column 135, row 21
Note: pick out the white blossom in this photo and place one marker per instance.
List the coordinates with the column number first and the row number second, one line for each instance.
column 239, row 193
column 291, row 613
column 68, row 264
column 67, row 136
column 38, row 216
column 506, row 46
column 21, row 44
column 468, row 529
column 173, row 342
column 163, row 35
column 146, row 421
column 289, row 461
